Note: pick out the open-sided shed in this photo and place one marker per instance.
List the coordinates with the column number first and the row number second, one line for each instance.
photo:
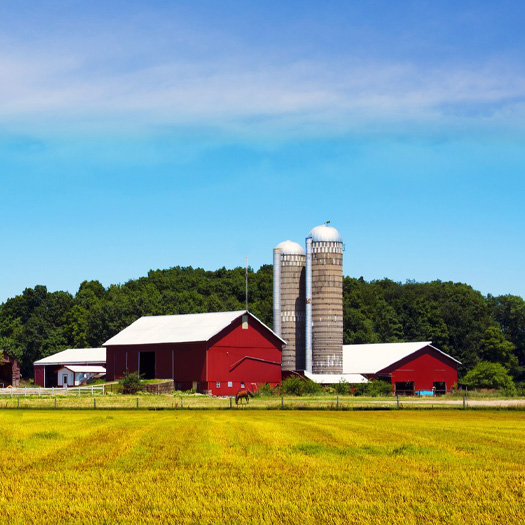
column 46, row 369
column 218, row 352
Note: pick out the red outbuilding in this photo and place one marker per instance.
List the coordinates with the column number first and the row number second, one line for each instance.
column 217, row 353
column 413, row 368
column 9, row 371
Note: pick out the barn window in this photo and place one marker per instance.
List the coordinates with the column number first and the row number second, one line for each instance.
column 230, row 384
column 245, row 322
column 218, row 384
column 242, row 384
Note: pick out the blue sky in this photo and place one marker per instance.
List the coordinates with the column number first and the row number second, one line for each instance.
column 141, row 135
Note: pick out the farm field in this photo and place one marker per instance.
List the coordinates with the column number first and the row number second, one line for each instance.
column 241, row 466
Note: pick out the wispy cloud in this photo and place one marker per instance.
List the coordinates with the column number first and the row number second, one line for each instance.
column 328, row 96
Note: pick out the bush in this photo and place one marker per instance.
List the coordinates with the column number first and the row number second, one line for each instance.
column 131, row 383
column 265, row 390
column 342, row 387
column 374, row 388
column 311, row 387
column 489, row 375
column 379, row 388
column 297, row 386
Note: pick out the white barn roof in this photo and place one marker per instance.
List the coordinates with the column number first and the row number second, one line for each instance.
column 75, row 356
column 85, row 369
column 370, row 359
column 331, row 379
column 188, row 328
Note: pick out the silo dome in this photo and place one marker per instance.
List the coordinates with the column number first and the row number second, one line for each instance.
column 325, row 233
column 290, row 248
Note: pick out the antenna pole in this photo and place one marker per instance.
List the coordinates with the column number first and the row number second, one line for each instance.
column 246, row 283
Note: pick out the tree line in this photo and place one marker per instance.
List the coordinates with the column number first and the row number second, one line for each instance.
column 461, row 321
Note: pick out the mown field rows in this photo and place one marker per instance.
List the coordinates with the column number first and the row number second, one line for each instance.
column 262, row 466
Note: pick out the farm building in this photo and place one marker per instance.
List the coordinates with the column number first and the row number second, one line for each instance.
column 76, row 375
column 411, row 367
column 9, row 371
column 46, row 369
column 218, row 353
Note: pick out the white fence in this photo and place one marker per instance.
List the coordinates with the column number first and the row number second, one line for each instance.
column 89, row 390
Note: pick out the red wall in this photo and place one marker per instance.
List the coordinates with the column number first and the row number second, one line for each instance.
column 236, row 355
column 188, row 361
column 423, row 368
column 252, row 356
column 39, row 375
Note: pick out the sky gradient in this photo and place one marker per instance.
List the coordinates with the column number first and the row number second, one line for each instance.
column 136, row 136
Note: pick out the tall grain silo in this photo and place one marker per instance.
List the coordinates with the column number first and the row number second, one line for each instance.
column 289, row 262
column 324, row 301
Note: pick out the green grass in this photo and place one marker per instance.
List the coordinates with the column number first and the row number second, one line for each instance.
column 198, row 401
column 262, row 466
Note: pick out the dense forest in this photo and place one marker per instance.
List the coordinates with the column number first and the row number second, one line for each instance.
column 457, row 318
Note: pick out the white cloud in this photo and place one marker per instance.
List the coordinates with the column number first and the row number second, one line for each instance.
column 246, row 96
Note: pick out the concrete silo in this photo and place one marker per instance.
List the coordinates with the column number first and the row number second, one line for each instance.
column 324, row 301
column 289, row 261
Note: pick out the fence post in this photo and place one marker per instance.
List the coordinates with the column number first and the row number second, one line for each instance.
column 230, row 402
column 181, row 401
column 282, row 402
column 25, row 391
column 137, row 402
column 18, row 402
column 55, row 402
column 39, row 392
column 94, row 403
column 397, row 400
column 337, row 402
column 464, row 401
column 92, row 394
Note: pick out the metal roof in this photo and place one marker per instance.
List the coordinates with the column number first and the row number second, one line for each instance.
column 187, row 328
column 325, row 233
column 372, row 358
column 330, row 379
column 72, row 356
column 86, row 369
column 290, row 248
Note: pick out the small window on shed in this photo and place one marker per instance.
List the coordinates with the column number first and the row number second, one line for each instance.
column 230, row 384
column 218, row 384
column 242, row 384
column 245, row 322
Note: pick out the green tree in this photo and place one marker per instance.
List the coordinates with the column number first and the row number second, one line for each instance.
column 488, row 375
column 495, row 348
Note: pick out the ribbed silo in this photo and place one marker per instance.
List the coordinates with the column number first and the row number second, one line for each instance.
column 289, row 261
column 324, row 301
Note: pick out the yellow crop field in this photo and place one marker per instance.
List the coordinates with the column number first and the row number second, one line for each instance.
column 243, row 466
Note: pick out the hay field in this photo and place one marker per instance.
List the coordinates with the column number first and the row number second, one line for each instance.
column 262, row 466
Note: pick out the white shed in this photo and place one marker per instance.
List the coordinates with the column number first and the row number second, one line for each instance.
column 75, row 375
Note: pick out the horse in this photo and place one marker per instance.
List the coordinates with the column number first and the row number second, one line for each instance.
column 242, row 394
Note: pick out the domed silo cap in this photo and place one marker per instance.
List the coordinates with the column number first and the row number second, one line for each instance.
column 325, row 233
column 290, row 248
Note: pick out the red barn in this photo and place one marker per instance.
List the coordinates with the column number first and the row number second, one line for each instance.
column 411, row 367
column 218, row 352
